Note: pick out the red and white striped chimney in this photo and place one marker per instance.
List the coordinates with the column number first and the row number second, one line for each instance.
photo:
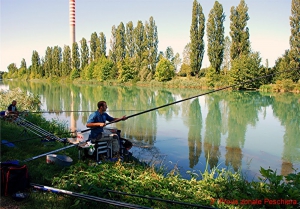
column 72, row 21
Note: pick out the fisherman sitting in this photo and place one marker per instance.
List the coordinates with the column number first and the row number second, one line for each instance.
column 97, row 121
column 12, row 109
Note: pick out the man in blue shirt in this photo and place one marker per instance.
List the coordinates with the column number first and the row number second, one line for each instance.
column 97, row 121
column 12, row 109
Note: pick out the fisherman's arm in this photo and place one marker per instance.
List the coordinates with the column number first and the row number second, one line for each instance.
column 111, row 119
column 119, row 119
column 93, row 125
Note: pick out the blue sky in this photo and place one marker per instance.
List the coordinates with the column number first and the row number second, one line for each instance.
column 35, row 24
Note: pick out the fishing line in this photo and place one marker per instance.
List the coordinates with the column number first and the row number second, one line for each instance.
column 209, row 92
column 62, row 111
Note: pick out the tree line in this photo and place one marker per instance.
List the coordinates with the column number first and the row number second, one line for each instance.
column 134, row 56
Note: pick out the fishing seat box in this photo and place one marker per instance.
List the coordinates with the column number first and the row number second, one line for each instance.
column 14, row 178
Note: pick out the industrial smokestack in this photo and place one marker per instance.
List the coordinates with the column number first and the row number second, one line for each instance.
column 72, row 21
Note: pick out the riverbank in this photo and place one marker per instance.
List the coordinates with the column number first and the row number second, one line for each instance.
column 184, row 82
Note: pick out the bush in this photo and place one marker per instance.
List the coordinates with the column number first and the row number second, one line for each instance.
column 165, row 70
column 24, row 101
column 265, row 88
column 286, row 85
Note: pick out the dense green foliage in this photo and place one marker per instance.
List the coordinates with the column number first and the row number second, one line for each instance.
column 84, row 53
column 215, row 34
column 67, row 61
column 295, row 33
column 196, row 36
column 239, row 31
column 133, row 54
column 164, row 71
column 247, row 67
column 75, row 73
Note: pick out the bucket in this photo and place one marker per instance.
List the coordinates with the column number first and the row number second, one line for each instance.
column 50, row 159
column 61, row 160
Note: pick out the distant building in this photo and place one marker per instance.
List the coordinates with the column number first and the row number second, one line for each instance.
column 72, row 21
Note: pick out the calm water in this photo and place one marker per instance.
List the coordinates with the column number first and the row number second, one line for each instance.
column 226, row 129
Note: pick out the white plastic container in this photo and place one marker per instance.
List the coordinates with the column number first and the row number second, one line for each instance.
column 61, row 160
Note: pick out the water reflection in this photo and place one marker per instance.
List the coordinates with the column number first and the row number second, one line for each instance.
column 287, row 109
column 212, row 139
column 194, row 122
column 223, row 127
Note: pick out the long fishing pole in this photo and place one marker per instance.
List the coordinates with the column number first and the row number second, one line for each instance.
column 62, row 111
column 113, row 202
column 54, row 151
column 159, row 199
column 87, row 197
column 41, row 137
column 209, row 92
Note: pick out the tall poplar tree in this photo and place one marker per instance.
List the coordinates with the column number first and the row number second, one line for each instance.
column 186, row 54
column 112, row 50
column 140, row 49
column 169, row 53
column 84, row 53
column 56, row 61
column 23, row 64
column 120, row 43
column 48, row 62
column 295, row 40
column 67, row 61
column 23, row 69
column 35, row 65
column 226, row 58
column 215, row 36
column 129, row 39
column 75, row 61
column 152, row 45
column 239, row 32
column 176, row 61
column 93, row 46
column 196, row 36
column 102, row 46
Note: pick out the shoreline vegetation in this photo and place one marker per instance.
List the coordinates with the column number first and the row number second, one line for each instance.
column 221, row 188
column 182, row 82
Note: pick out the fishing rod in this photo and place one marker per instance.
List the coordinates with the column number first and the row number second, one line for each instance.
column 62, row 111
column 41, row 137
column 87, row 197
column 159, row 199
column 209, row 92
column 113, row 202
column 54, row 151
